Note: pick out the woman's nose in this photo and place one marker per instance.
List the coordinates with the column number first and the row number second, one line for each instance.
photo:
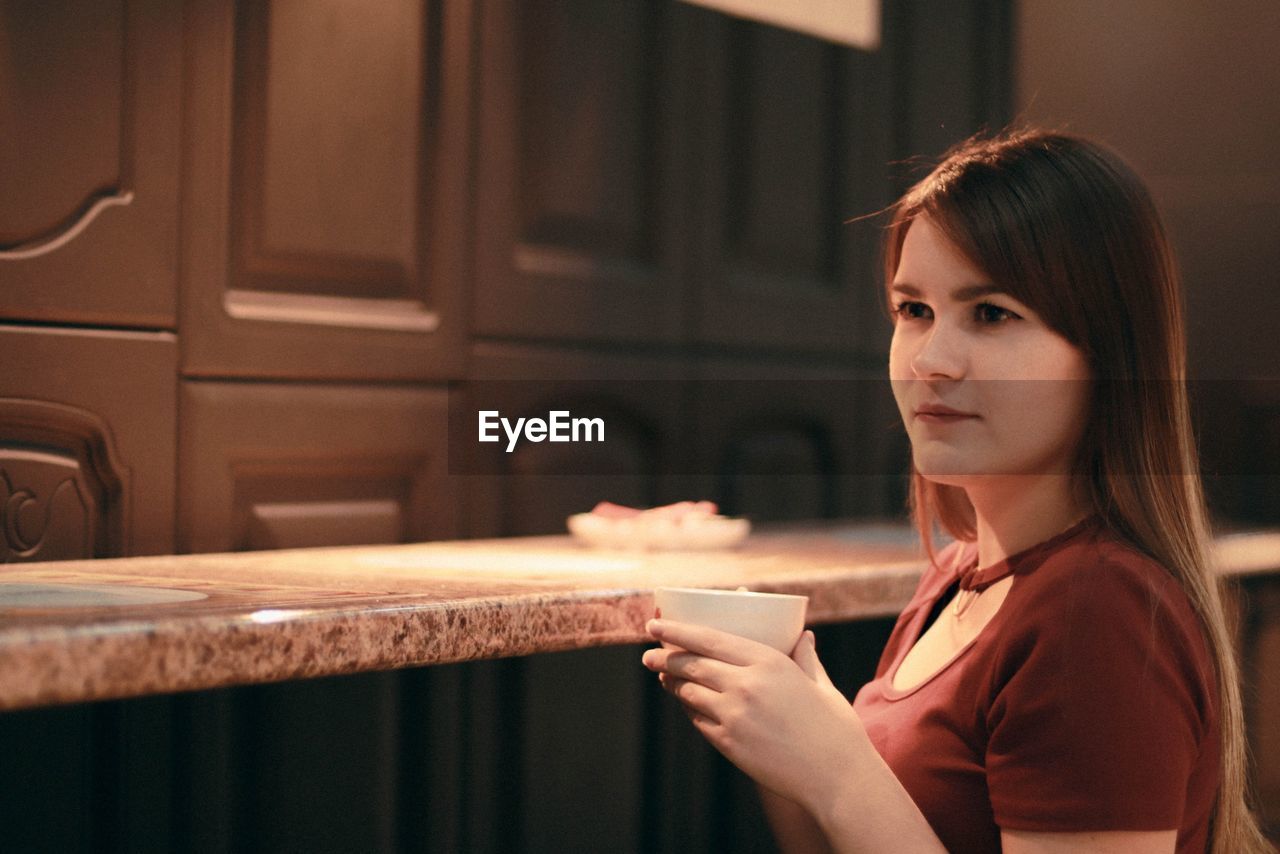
column 939, row 354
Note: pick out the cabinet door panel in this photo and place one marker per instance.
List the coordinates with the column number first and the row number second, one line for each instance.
column 580, row 199
column 89, row 162
column 284, row 466
column 321, row 205
column 327, row 213
column 87, row 423
column 795, row 145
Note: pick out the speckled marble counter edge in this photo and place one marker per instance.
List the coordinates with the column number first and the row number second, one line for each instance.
column 312, row 632
column 50, row 665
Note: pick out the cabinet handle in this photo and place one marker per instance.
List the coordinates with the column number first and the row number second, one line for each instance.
column 70, row 234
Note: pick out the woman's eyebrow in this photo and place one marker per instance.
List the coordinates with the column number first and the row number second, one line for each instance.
column 965, row 294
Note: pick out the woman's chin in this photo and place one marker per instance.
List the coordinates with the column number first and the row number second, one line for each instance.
column 957, row 479
column 947, row 469
column 959, row 473
column 970, row 479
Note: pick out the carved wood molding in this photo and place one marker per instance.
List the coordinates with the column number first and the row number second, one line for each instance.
column 102, row 183
column 63, row 491
column 63, row 235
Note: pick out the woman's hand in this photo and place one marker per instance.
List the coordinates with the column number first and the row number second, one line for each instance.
column 779, row 719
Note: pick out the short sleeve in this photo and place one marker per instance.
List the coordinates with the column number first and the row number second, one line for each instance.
column 1100, row 704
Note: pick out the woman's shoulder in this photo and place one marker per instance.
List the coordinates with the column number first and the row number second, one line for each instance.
column 1100, row 578
column 1097, row 560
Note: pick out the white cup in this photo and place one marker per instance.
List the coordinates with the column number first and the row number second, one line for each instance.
column 775, row 619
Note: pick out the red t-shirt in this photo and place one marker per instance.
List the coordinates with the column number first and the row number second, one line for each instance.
column 1088, row 702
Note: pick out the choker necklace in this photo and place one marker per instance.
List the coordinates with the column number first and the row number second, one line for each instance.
column 973, row 580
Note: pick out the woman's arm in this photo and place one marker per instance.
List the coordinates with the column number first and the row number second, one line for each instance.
column 794, row 829
column 784, row 723
column 872, row 812
column 797, row 832
column 1104, row 842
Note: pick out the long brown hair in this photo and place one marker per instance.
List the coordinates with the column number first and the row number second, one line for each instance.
column 1065, row 226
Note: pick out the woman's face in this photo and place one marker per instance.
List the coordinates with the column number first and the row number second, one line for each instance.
column 958, row 343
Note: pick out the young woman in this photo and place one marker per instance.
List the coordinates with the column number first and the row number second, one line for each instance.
column 1063, row 679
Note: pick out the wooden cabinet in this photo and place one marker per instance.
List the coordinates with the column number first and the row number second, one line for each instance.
column 265, row 465
column 326, row 211
column 662, row 173
column 87, row 430
column 365, row 193
column 653, row 191
column 582, row 188
column 794, row 144
column 90, row 110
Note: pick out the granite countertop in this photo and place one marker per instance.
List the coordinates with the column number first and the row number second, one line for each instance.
column 92, row 630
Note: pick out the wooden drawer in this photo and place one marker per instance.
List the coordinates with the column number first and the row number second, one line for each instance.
column 87, row 423
column 268, row 465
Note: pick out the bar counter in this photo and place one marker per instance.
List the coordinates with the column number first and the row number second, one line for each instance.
column 93, row 630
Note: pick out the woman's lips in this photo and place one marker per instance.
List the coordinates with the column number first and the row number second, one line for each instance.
column 942, row 416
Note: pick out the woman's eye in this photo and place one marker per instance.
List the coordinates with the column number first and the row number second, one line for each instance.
column 910, row 309
column 985, row 313
column 988, row 313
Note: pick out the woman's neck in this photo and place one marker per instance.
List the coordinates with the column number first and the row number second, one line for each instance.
column 1015, row 513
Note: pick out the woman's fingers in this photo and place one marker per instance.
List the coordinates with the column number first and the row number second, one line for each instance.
column 685, row 665
column 805, row 655
column 709, row 727
column 697, row 700
column 722, row 646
